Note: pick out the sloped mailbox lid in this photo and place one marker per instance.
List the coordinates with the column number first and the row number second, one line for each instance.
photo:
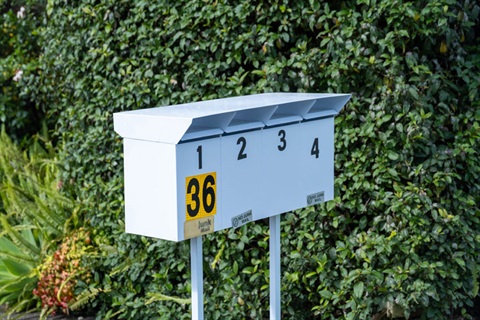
column 202, row 119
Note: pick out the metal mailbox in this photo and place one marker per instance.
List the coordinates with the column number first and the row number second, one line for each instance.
column 201, row 167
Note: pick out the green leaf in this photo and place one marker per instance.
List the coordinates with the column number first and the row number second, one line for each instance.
column 393, row 155
column 50, row 7
column 15, row 268
column 358, row 290
column 149, row 73
column 326, row 294
column 155, row 296
column 413, row 92
column 460, row 262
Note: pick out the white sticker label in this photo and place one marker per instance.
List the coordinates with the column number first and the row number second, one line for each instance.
column 242, row 219
column 315, row 198
column 198, row 227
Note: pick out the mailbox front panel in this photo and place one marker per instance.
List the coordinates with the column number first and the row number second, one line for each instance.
column 297, row 165
column 242, row 172
column 316, row 165
column 199, row 191
column 281, row 152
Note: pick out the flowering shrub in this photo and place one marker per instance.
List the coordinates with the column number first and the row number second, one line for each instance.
column 62, row 271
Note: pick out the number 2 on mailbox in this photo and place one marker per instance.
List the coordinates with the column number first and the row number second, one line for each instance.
column 201, row 193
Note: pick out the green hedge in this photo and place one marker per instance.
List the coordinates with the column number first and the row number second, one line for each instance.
column 19, row 22
column 401, row 236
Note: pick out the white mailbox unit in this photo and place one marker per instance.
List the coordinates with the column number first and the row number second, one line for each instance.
column 201, row 167
column 197, row 168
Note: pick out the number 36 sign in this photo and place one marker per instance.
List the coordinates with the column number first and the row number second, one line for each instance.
column 197, row 168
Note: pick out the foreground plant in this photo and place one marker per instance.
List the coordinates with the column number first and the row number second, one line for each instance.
column 19, row 252
column 60, row 273
column 34, row 215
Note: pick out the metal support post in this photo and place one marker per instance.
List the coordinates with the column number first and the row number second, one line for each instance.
column 275, row 284
column 196, row 256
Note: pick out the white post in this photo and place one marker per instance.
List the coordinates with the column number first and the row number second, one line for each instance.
column 196, row 260
column 275, row 284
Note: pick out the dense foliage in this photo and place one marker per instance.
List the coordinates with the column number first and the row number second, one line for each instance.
column 402, row 235
column 19, row 21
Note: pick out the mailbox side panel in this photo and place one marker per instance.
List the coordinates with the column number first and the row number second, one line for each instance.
column 150, row 189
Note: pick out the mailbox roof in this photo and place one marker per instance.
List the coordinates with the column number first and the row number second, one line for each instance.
column 177, row 123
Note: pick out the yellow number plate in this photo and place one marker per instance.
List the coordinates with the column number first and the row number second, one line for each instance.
column 201, row 195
